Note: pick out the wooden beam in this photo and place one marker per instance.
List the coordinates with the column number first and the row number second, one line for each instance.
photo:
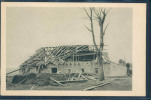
column 85, row 54
column 70, row 54
column 55, row 81
column 59, row 49
column 35, row 55
column 72, row 81
column 33, row 86
column 39, row 55
column 93, row 87
column 79, row 75
column 63, row 49
column 13, row 71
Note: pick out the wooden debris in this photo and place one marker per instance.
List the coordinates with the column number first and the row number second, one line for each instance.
column 73, row 81
column 102, row 83
column 13, row 71
column 84, row 77
column 93, row 87
column 129, row 74
column 22, row 81
column 91, row 77
column 56, row 81
column 79, row 75
column 56, row 55
column 33, row 86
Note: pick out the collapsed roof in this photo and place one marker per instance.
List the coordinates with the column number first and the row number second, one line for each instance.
column 61, row 54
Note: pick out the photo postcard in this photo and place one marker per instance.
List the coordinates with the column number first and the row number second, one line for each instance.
column 73, row 49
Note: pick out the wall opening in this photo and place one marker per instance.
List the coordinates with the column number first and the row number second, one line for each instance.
column 82, row 70
column 53, row 70
column 69, row 70
column 96, row 70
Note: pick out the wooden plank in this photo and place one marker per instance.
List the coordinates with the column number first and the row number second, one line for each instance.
column 72, row 81
column 35, row 55
column 55, row 81
column 13, row 71
column 33, row 86
column 93, row 87
column 68, row 50
column 22, row 81
column 38, row 69
column 129, row 74
column 59, row 50
column 52, row 53
column 64, row 48
column 85, row 54
column 84, row 77
column 56, row 49
column 79, row 75
column 58, row 57
column 39, row 55
column 70, row 54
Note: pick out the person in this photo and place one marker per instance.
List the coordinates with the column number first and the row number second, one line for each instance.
column 129, row 72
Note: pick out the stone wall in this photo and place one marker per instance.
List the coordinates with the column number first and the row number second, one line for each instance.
column 111, row 69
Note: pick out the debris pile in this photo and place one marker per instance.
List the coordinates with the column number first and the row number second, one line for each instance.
column 59, row 77
column 30, row 78
column 43, row 79
column 18, row 78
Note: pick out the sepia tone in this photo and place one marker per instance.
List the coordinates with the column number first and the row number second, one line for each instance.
column 79, row 65
column 84, row 49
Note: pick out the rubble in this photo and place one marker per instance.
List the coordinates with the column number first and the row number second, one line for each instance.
column 18, row 78
column 44, row 79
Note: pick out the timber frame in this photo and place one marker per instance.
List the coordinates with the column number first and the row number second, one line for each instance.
column 58, row 55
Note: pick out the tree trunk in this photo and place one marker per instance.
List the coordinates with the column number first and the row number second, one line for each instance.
column 101, row 71
column 100, row 49
column 100, row 67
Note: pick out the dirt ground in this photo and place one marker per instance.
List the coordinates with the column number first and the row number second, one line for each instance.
column 124, row 84
column 118, row 84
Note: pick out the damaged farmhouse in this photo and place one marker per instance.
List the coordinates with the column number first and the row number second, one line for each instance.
column 70, row 59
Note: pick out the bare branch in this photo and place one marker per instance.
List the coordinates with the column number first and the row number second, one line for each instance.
column 103, row 19
column 96, row 12
column 105, row 29
column 92, row 30
column 88, row 28
column 103, row 11
column 91, row 9
column 87, row 13
column 100, row 12
column 91, row 13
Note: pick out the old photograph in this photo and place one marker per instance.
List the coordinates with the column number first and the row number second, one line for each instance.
column 87, row 48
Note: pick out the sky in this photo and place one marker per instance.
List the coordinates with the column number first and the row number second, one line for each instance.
column 30, row 28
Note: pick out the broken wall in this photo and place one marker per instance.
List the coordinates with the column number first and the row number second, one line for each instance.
column 111, row 69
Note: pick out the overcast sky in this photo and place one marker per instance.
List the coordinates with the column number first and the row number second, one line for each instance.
column 28, row 29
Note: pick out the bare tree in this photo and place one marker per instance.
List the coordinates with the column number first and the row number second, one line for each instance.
column 99, row 15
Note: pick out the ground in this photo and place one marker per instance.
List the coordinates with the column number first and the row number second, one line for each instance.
column 116, row 84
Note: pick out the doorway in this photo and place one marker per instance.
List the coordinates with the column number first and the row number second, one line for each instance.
column 53, row 70
column 96, row 70
column 82, row 70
